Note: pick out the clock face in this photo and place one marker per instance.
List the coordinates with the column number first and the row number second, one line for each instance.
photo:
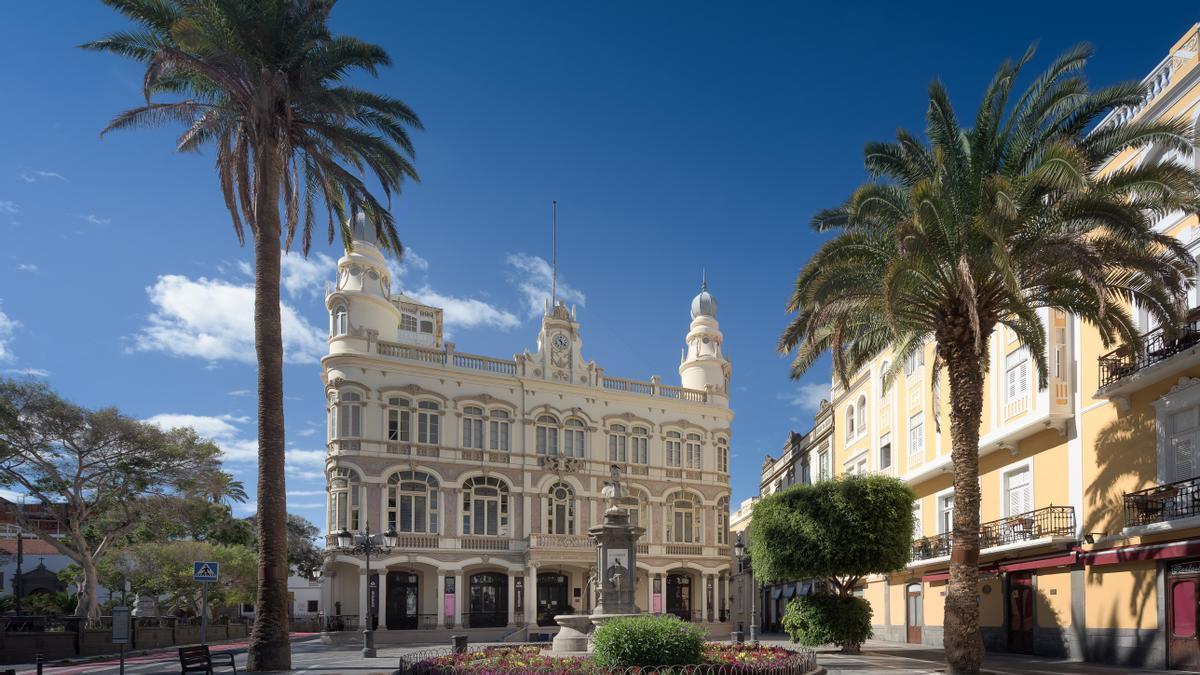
column 561, row 342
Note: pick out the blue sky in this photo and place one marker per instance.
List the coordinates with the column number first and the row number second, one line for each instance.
column 674, row 135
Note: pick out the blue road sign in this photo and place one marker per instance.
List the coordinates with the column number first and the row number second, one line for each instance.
column 205, row 571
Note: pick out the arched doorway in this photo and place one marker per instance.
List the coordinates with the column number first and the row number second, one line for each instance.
column 402, row 601
column 551, row 597
column 913, row 613
column 679, row 596
column 1183, row 596
column 487, row 600
column 1020, row 613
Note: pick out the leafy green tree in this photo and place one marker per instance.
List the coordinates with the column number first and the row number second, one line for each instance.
column 97, row 473
column 264, row 81
column 822, row 619
column 304, row 558
column 164, row 571
column 982, row 226
column 838, row 531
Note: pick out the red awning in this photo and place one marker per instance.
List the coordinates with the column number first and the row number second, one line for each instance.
column 1053, row 561
column 1168, row 551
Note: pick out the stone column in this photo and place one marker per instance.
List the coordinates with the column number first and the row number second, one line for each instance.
column 439, row 600
column 530, row 595
column 512, row 598
column 363, row 599
column 705, row 580
column 459, row 577
column 649, row 591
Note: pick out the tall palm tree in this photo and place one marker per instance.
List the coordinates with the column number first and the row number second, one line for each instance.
column 978, row 227
column 263, row 82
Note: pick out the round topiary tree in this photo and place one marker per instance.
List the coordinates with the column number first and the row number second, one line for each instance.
column 647, row 641
column 837, row 531
column 815, row 620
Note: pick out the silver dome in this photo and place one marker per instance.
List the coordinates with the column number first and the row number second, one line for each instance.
column 704, row 304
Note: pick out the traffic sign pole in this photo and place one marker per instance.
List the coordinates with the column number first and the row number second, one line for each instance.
column 204, row 615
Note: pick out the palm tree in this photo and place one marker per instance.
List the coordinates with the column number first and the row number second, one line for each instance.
column 980, row 227
column 262, row 81
column 220, row 487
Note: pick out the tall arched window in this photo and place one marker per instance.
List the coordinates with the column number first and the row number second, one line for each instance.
column 472, row 427
column 683, row 518
column 412, row 499
column 850, row 420
column 862, row 414
column 573, row 438
column 639, row 451
column 500, row 429
column 485, row 506
column 636, row 511
column 560, row 509
column 547, row 435
column 723, row 521
column 617, row 442
column 695, row 457
column 347, row 415
column 723, row 455
column 429, row 422
column 674, row 448
column 399, row 420
column 341, row 320
column 344, row 507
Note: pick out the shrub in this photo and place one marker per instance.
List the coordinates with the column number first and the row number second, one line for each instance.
column 814, row 620
column 647, row 641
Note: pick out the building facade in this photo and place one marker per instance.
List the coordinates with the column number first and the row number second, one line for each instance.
column 490, row 470
column 1090, row 512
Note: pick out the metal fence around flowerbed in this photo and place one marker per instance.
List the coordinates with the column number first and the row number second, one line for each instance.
column 528, row 659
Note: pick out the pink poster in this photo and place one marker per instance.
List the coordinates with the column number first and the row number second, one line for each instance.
column 658, row 603
column 448, row 605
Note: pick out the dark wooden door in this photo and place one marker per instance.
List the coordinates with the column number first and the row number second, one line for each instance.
column 1183, row 652
column 1020, row 614
column 489, row 601
column 679, row 596
column 551, row 597
column 913, row 613
column 402, row 601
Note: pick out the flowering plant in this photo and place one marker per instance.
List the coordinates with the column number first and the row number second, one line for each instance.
column 532, row 660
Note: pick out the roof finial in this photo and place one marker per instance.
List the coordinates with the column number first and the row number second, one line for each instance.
column 553, row 254
column 703, row 279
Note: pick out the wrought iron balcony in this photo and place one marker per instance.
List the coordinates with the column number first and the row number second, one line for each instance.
column 1157, row 346
column 1043, row 523
column 1163, row 503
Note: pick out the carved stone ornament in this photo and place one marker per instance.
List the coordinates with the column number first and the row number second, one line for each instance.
column 1184, row 383
column 560, row 464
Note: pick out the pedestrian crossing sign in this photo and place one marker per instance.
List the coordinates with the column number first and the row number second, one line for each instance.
column 205, row 571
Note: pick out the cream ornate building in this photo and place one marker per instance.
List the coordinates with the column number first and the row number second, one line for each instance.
column 490, row 470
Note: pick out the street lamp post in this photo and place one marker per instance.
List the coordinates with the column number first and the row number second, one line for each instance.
column 739, row 552
column 365, row 545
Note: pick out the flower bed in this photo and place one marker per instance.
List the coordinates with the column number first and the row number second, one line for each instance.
column 719, row 658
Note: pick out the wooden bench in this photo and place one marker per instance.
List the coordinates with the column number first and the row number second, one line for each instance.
column 197, row 659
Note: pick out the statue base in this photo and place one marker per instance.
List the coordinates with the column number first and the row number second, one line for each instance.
column 572, row 637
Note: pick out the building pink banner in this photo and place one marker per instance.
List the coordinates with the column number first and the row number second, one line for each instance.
column 658, row 603
column 448, row 605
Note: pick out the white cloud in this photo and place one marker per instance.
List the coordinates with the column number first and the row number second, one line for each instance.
column 27, row 267
column 465, row 312
column 807, row 396
column 305, row 493
column 7, row 327
column 214, row 427
column 9, row 207
column 239, row 392
column 300, row 275
column 532, row 276
column 35, row 176
column 95, row 220
column 235, row 436
column 214, row 320
column 28, row 372
column 306, row 432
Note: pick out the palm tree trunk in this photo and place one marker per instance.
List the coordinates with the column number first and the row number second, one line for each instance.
column 963, row 643
column 269, row 647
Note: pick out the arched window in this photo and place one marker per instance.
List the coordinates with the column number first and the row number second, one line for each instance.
column 347, row 415
column 500, row 429
column 674, row 448
column 412, row 499
column 695, row 458
column 683, row 518
column 862, row 414
column 723, row 521
column 485, row 506
column 472, row 427
column 850, row 420
column 399, row 420
column 429, row 422
column 617, row 441
column 723, row 455
column 573, row 438
column 341, row 320
column 344, row 506
column 635, row 511
column 640, row 448
column 547, row 435
column 560, row 509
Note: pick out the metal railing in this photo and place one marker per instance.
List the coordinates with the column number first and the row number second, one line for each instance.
column 1048, row 522
column 341, row 622
column 1161, row 503
column 1157, row 346
column 496, row 619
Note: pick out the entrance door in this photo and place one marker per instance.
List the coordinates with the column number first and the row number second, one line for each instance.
column 551, row 597
column 488, row 606
column 913, row 616
column 679, row 596
column 1020, row 613
column 402, row 601
column 1183, row 652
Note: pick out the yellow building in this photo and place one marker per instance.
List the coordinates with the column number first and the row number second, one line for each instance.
column 1090, row 512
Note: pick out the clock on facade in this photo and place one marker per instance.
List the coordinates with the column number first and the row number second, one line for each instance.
column 561, row 342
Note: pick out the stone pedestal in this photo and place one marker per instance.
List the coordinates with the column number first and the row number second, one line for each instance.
column 572, row 638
